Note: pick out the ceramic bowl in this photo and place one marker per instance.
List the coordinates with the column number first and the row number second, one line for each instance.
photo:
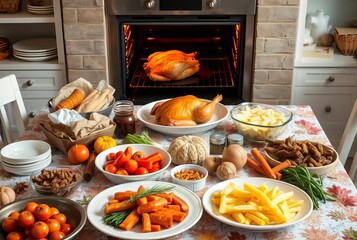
column 75, row 213
column 193, row 185
column 259, row 132
column 58, row 191
column 26, row 169
column 147, row 150
column 273, row 161
column 27, row 151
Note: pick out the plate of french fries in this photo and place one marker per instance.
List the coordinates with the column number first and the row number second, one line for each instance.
column 257, row 204
column 181, row 210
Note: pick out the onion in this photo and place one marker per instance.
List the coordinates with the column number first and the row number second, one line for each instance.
column 235, row 154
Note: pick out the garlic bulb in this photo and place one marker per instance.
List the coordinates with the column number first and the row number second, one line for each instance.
column 226, row 170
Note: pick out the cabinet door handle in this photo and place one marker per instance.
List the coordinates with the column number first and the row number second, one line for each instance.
column 328, row 109
column 32, row 114
column 331, row 79
column 29, row 83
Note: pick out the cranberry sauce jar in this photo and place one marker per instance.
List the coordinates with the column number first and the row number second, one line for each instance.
column 124, row 118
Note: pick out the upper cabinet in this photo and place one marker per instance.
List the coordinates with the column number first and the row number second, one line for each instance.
column 313, row 17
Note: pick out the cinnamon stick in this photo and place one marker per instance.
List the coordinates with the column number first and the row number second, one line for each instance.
column 88, row 172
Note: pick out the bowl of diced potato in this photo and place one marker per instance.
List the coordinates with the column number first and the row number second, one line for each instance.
column 258, row 122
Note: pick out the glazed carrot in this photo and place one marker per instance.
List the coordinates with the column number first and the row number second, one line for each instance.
column 253, row 164
column 155, row 157
column 140, row 188
column 146, row 223
column 141, row 201
column 155, row 228
column 177, row 216
column 173, row 207
column 111, row 201
column 130, row 221
column 163, row 220
column 281, row 166
column 182, row 204
column 278, row 175
column 151, row 198
column 121, row 196
column 152, row 206
column 120, row 206
column 263, row 163
column 167, row 196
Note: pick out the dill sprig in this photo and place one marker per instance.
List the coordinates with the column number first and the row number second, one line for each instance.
column 116, row 218
column 148, row 191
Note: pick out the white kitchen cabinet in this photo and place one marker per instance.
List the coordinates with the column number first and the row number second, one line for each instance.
column 38, row 81
column 329, row 86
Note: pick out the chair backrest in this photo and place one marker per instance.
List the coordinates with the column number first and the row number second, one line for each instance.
column 10, row 95
column 347, row 139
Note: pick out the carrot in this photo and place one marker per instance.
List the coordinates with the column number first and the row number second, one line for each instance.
column 278, row 175
column 111, row 201
column 151, row 198
column 163, row 220
column 140, row 188
column 178, row 216
column 130, row 221
column 120, row 206
column 121, row 196
column 141, row 201
column 152, row 206
column 281, row 166
column 263, row 163
column 253, row 164
column 146, row 223
column 148, row 161
column 155, row 228
column 173, row 207
column 72, row 101
column 167, row 196
column 182, row 204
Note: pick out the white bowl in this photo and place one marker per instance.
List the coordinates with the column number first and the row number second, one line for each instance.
column 25, row 151
column 305, row 211
column 147, row 150
column 27, row 170
column 196, row 185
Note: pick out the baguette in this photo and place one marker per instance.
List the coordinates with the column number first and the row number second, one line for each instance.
column 92, row 105
column 84, row 105
column 72, row 101
column 95, row 91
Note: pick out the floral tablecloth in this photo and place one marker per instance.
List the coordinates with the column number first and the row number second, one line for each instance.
column 333, row 220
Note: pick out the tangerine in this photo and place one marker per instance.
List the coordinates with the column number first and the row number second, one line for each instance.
column 78, row 154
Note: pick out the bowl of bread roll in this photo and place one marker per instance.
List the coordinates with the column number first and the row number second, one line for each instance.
column 81, row 96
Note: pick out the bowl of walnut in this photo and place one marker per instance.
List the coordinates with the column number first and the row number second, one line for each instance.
column 317, row 157
column 56, row 180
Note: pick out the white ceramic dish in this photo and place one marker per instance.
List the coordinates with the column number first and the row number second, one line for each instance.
column 196, row 185
column 29, row 165
column 27, row 170
column 212, row 210
column 147, row 150
column 35, row 59
column 220, row 113
column 26, row 151
column 35, row 45
column 95, row 212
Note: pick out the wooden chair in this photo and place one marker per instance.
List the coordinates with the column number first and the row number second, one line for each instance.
column 10, row 95
column 347, row 140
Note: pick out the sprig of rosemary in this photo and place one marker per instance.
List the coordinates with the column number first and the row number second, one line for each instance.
column 116, row 218
column 148, row 191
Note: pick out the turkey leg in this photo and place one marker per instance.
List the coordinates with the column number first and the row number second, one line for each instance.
column 204, row 112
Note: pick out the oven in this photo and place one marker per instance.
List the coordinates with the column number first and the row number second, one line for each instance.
column 220, row 31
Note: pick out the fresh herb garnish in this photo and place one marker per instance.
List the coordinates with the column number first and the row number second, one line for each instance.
column 311, row 184
column 116, row 218
column 148, row 191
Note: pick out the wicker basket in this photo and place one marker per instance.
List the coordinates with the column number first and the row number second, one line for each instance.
column 10, row 6
column 346, row 40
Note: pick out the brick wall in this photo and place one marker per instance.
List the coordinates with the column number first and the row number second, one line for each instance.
column 84, row 33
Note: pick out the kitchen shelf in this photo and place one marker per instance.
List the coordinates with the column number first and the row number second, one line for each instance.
column 12, row 63
column 24, row 16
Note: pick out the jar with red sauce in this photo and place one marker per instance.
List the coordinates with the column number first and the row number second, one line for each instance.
column 124, row 118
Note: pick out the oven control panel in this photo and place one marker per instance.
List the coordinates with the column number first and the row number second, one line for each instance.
column 180, row 7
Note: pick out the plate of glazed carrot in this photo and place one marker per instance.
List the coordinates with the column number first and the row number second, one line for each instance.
column 144, row 210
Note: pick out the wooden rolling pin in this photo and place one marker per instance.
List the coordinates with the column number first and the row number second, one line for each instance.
column 89, row 170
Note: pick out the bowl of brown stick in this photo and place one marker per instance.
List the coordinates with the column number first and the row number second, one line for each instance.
column 317, row 157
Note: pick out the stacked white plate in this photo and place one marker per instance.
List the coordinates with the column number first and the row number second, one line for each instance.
column 25, row 157
column 35, row 49
column 40, row 6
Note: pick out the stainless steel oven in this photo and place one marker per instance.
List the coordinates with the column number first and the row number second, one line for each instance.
column 220, row 31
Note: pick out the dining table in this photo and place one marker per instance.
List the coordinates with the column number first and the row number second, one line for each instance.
column 332, row 220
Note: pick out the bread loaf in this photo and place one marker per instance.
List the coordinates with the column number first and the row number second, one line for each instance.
column 72, row 101
column 94, row 105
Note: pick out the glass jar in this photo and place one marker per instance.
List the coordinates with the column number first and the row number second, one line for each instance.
column 235, row 138
column 217, row 143
column 124, row 118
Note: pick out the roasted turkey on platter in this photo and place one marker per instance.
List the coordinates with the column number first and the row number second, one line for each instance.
column 171, row 65
column 184, row 110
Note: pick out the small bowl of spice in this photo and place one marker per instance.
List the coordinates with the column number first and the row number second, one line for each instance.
column 190, row 176
column 59, row 181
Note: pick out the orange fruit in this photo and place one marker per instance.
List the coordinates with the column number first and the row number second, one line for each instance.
column 78, row 154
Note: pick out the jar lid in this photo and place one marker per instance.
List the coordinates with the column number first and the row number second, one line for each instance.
column 217, row 138
column 235, row 138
